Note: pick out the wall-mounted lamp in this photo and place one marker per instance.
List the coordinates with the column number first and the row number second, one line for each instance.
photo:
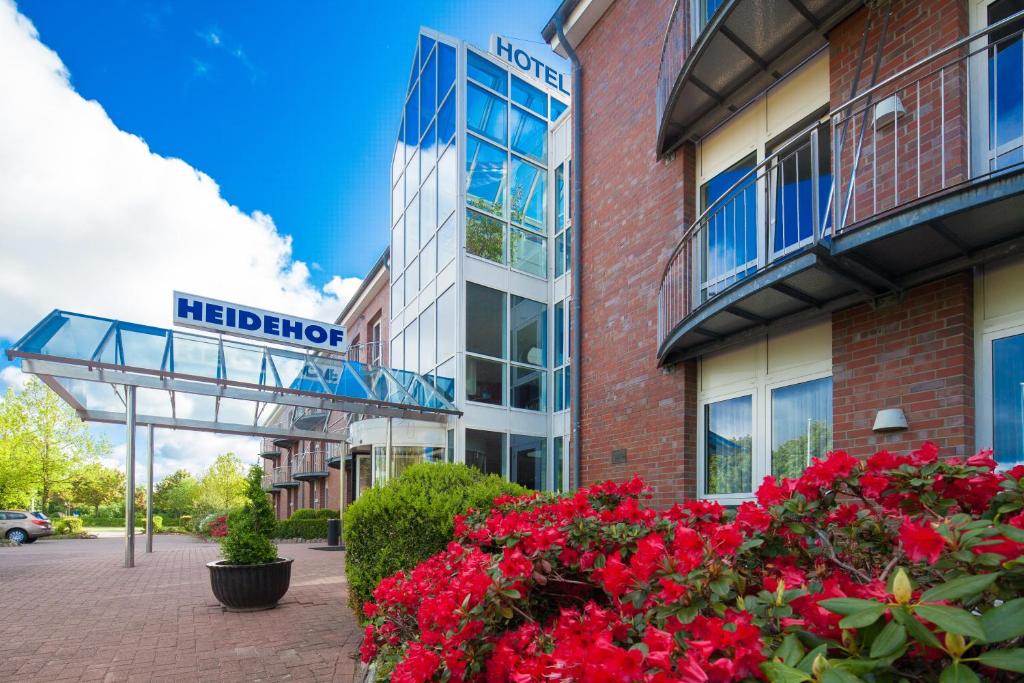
column 888, row 110
column 890, row 420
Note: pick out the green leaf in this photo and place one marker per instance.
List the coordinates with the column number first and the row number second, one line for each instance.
column 865, row 617
column 958, row 673
column 1010, row 660
column 1004, row 622
column 915, row 628
column 807, row 663
column 961, row 587
column 847, row 606
column 839, row 676
column 790, row 651
column 778, row 672
column 953, row 620
column 892, row 638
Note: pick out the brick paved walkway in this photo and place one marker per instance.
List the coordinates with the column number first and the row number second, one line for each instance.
column 70, row 612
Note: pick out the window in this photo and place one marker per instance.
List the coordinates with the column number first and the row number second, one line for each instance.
column 412, row 339
column 1005, row 87
column 427, row 340
column 446, row 324
column 527, row 192
column 485, row 176
column 728, row 445
column 528, row 388
column 486, row 72
column 530, row 97
column 428, row 262
column 485, row 237
column 528, row 252
column 485, row 451
column 375, row 340
column 563, row 235
column 398, row 351
column 428, row 91
column 730, row 236
column 446, row 121
column 800, row 187
column 412, row 229
column 486, row 114
column 801, row 417
column 446, row 68
column 529, row 135
column 412, row 116
column 485, row 381
column 557, row 109
column 398, row 246
column 448, row 184
column 529, row 331
column 428, row 208
column 446, row 243
column 485, row 307
column 528, row 461
column 397, row 295
column 428, row 151
column 557, row 457
column 451, row 445
column 561, row 356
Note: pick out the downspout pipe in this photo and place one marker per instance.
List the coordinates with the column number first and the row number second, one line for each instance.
column 576, row 333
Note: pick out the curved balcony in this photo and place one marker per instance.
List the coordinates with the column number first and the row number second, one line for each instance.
column 267, row 483
column 310, row 464
column 310, row 419
column 270, row 454
column 719, row 54
column 286, row 441
column 283, row 478
column 919, row 177
column 335, row 456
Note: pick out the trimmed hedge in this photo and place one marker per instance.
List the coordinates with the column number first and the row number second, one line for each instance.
column 68, row 526
column 400, row 524
column 310, row 513
column 307, row 529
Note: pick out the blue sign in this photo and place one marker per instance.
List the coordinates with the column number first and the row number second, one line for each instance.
column 244, row 321
column 524, row 61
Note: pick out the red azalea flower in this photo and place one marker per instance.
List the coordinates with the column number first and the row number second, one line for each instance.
column 921, row 542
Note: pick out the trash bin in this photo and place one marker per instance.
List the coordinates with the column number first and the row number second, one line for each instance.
column 333, row 532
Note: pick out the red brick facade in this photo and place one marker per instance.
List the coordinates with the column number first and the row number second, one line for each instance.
column 634, row 211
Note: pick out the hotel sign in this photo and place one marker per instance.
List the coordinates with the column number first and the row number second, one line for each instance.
column 524, row 61
column 214, row 315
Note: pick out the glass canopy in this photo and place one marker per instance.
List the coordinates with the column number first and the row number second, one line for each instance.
column 190, row 381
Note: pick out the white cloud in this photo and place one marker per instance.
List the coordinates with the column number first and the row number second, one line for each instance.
column 95, row 222
column 12, row 376
column 172, row 451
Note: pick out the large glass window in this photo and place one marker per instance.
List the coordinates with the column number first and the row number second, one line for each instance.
column 412, row 229
column 447, row 184
column 561, row 352
column 485, row 236
column 794, row 178
column 486, row 72
column 412, row 279
column 446, row 68
column 446, row 324
column 529, row 331
column 412, row 116
column 486, row 114
column 527, row 190
column 529, row 135
column 528, row 252
column 427, row 340
column 801, row 425
column 398, row 351
column 527, row 461
column 428, row 91
column 485, row 320
column 485, row 381
column 728, row 446
column 1008, row 399
column 397, row 295
column 446, row 243
column 412, row 349
column 560, row 194
column 445, row 380
column 530, row 97
column 486, row 174
column 528, row 388
column 730, row 238
column 428, row 151
column 485, row 450
column 428, row 262
column 557, row 457
column 428, row 208
column 1005, row 87
column 398, row 246
column 446, row 121
column 557, row 109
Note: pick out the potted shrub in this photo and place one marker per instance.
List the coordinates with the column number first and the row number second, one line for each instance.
column 251, row 576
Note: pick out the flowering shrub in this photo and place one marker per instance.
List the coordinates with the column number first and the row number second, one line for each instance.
column 898, row 568
column 218, row 527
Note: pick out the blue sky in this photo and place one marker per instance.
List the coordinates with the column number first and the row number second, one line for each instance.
column 290, row 107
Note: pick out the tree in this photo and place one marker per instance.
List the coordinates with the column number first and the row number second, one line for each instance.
column 176, row 494
column 16, row 486
column 45, row 442
column 222, row 486
column 95, row 484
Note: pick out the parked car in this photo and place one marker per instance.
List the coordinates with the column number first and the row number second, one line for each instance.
column 24, row 527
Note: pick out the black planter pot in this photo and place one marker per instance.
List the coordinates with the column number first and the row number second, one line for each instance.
column 250, row 587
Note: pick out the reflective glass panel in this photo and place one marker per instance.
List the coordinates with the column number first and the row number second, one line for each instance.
column 1005, row 87
column 1008, row 400
column 529, row 135
column 428, row 208
column 447, row 184
column 486, row 114
column 528, row 386
column 730, row 236
column 428, row 151
column 558, row 444
column 446, row 324
column 559, row 322
column 486, row 173
column 560, row 198
column 426, row 45
column 412, row 177
column 412, row 117
column 486, row 72
column 530, row 97
column 412, row 279
column 446, row 68
column 792, row 196
column 398, row 351
column 801, row 426
column 485, row 236
column 427, row 340
column 728, row 440
column 397, row 294
column 397, row 201
column 485, row 450
column 485, row 380
column 485, row 320
column 557, row 108
column 559, row 401
column 528, row 461
column 529, row 331
column 528, row 252
column 412, row 228
column 398, row 246
column 560, row 254
column 446, row 243
column 445, row 379
column 428, row 91
column 412, row 345
column 446, row 121
column 527, row 192
column 428, row 262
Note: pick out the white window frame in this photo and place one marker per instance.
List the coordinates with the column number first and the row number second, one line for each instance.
column 986, row 333
column 760, row 389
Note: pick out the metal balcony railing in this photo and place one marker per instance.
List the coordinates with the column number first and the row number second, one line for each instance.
column 368, row 353
column 678, row 40
column 311, row 462
column 283, row 476
column 950, row 119
column 267, row 483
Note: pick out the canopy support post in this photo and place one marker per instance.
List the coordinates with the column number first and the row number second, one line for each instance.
column 129, row 480
column 149, row 496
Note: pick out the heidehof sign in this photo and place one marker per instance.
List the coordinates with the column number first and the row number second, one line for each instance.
column 203, row 313
column 504, row 48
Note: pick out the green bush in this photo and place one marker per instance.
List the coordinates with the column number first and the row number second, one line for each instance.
column 158, row 522
column 185, row 521
column 309, row 513
column 307, row 529
column 68, row 526
column 249, row 530
column 400, row 524
column 100, row 520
